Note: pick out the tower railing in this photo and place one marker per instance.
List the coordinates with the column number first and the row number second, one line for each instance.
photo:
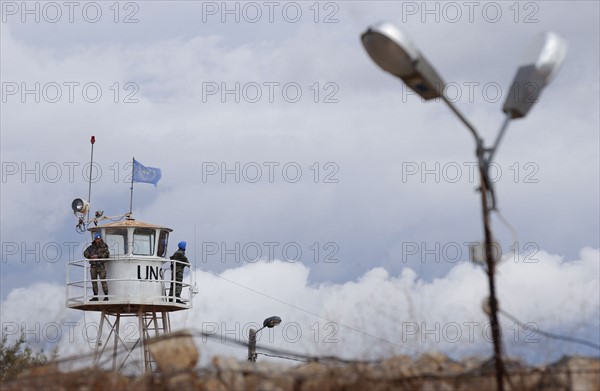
column 130, row 280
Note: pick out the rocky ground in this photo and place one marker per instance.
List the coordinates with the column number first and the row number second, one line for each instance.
column 176, row 361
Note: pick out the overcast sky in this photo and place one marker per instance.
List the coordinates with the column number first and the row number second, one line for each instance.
column 278, row 138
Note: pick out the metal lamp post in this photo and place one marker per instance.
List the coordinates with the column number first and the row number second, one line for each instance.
column 270, row 323
column 394, row 52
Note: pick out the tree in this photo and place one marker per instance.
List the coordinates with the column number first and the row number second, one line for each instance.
column 16, row 358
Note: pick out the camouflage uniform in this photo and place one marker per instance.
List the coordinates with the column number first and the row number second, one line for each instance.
column 179, row 255
column 97, row 268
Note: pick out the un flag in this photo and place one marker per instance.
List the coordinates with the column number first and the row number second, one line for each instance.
column 145, row 174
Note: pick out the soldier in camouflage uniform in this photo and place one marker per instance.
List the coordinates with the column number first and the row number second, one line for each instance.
column 98, row 249
column 179, row 256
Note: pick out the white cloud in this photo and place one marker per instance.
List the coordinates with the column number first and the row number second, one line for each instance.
column 375, row 316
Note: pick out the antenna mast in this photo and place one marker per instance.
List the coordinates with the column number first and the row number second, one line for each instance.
column 131, row 188
column 92, row 141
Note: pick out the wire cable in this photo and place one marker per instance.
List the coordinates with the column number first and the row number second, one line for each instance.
column 512, row 229
column 313, row 314
column 524, row 326
column 551, row 335
column 283, row 357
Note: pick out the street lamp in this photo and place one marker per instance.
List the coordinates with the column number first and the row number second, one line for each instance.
column 541, row 63
column 393, row 51
column 270, row 323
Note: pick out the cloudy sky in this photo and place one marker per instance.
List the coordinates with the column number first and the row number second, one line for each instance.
column 279, row 139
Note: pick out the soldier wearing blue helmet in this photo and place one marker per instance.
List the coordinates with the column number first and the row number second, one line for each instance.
column 98, row 252
column 180, row 264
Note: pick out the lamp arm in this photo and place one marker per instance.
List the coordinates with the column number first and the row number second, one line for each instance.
column 499, row 137
column 464, row 120
column 485, row 157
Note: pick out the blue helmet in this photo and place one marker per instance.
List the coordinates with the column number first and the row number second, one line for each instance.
column 97, row 235
column 182, row 244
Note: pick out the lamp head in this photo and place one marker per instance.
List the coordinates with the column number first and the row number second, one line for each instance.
column 391, row 49
column 546, row 52
column 394, row 52
column 272, row 322
column 542, row 61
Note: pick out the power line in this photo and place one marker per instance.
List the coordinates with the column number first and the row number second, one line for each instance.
column 508, row 225
column 550, row 335
column 277, row 356
column 314, row 314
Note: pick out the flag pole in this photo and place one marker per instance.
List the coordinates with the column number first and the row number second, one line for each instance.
column 131, row 196
column 92, row 141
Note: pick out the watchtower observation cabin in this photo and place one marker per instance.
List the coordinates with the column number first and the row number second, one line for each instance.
column 138, row 271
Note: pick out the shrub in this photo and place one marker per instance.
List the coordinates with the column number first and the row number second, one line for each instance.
column 16, row 358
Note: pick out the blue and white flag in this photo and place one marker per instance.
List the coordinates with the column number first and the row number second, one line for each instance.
column 145, row 174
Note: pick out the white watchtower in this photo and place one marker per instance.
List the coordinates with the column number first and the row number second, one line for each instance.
column 139, row 278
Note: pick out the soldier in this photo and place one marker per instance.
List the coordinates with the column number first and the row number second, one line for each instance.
column 177, row 277
column 98, row 249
